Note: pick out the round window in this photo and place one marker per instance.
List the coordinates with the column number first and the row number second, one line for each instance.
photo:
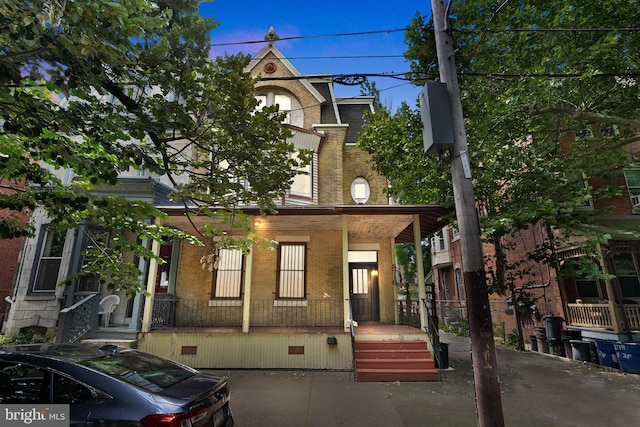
column 360, row 190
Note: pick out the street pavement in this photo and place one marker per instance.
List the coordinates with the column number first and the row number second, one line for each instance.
column 538, row 390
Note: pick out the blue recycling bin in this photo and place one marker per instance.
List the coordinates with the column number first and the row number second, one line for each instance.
column 607, row 353
column 628, row 356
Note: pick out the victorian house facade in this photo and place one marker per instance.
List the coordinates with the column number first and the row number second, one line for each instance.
column 294, row 306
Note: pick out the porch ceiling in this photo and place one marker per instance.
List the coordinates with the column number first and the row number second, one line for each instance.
column 363, row 222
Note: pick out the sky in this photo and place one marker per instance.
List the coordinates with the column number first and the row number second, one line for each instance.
column 242, row 21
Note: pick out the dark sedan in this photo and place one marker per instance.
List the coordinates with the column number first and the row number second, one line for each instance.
column 113, row 386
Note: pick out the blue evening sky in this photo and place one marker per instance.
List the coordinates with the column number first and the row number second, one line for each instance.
column 248, row 21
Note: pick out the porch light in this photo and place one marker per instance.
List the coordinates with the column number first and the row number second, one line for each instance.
column 256, row 224
column 332, row 340
column 374, row 273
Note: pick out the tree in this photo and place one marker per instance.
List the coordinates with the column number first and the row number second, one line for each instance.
column 550, row 96
column 102, row 87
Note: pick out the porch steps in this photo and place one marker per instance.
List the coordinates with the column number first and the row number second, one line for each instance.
column 394, row 360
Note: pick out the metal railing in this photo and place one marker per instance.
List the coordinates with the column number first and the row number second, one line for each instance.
column 352, row 332
column 78, row 319
column 409, row 312
column 433, row 333
column 171, row 312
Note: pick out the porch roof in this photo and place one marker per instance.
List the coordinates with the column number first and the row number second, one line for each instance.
column 624, row 232
column 363, row 221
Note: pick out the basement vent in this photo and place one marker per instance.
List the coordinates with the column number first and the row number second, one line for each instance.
column 296, row 349
column 189, row 349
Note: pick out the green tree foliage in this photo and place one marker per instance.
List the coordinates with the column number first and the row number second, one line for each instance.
column 548, row 103
column 106, row 86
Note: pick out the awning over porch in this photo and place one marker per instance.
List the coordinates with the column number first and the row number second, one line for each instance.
column 624, row 232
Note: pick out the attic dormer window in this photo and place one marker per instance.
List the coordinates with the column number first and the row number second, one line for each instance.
column 286, row 103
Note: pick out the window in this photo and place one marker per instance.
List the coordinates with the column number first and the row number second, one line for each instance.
column 286, row 103
column 227, row 278
column 460, row 284
column 292, row 270
column 627, row 272
column 302, row 182
column 360, row 190
column 632, row 176
column 50, row 249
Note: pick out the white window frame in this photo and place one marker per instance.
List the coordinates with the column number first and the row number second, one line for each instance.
column 48, row 234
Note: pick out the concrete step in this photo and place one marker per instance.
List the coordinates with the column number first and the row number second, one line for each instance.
column 389, row 345
column 395, row 360
column 391, row 364
column 392, row 354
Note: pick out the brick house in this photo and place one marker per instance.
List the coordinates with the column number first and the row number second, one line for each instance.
column 291, row 306
column 603, row 309
column 10, row 250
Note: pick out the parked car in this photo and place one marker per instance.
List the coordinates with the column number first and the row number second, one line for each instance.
column 114, row 386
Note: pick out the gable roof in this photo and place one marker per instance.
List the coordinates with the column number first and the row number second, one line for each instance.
column 272, row 50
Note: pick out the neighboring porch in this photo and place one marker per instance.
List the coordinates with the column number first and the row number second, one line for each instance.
column 605, row 321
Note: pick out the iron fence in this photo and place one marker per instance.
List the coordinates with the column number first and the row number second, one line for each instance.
column 171, row 312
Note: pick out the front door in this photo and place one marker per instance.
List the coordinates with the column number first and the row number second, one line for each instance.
column 363, row 290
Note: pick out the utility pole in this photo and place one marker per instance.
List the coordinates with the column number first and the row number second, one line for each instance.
column 483, row 351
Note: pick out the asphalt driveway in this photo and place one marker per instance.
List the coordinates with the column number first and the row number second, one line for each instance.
column 538, row 390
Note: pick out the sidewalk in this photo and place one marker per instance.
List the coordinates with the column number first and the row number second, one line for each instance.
column 537, row 390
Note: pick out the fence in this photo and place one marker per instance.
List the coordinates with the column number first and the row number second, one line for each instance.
column 171, row 312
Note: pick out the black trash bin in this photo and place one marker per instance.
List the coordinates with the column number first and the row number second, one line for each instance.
column 534, row 342
column 553, row 327
column 567, row 336
column 443, row 353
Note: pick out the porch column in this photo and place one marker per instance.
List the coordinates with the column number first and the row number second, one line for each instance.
column 422, row 293
column 246, row 297
column 345, row 273
column 614, row 297
column 134, row 324
column 151, row 285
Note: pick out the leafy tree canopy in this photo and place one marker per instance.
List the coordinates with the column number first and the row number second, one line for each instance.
column 550, row 95
column 102, row 87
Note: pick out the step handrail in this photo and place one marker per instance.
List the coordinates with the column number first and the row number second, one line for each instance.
column 435, row 342
column 352, row 332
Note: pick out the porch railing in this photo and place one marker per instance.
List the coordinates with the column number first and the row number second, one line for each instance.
column 78, row 319
column 599, row 315
column 590, row 315
column 409, row 313
column 171, row 312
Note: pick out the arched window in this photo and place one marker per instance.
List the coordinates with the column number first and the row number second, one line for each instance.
column 286, row 103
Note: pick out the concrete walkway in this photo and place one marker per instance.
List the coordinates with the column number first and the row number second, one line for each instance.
column 538, row 390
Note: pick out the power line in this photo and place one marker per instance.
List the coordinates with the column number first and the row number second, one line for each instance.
column 360, row 33
column 551, row 30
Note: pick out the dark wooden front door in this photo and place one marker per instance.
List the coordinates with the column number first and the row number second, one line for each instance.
column 363, row 290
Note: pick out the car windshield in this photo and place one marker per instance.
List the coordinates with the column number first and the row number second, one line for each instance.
column 144, row 370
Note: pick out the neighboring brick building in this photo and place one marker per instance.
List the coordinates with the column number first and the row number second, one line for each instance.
column 9, row 251
column 598, row 309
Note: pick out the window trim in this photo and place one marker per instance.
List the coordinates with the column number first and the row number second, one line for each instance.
column 45, row 231
column 279, row 271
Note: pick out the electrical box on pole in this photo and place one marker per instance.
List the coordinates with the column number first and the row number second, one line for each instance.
column 437, row 128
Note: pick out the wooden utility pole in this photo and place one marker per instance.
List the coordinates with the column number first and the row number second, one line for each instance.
column 483, row 351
